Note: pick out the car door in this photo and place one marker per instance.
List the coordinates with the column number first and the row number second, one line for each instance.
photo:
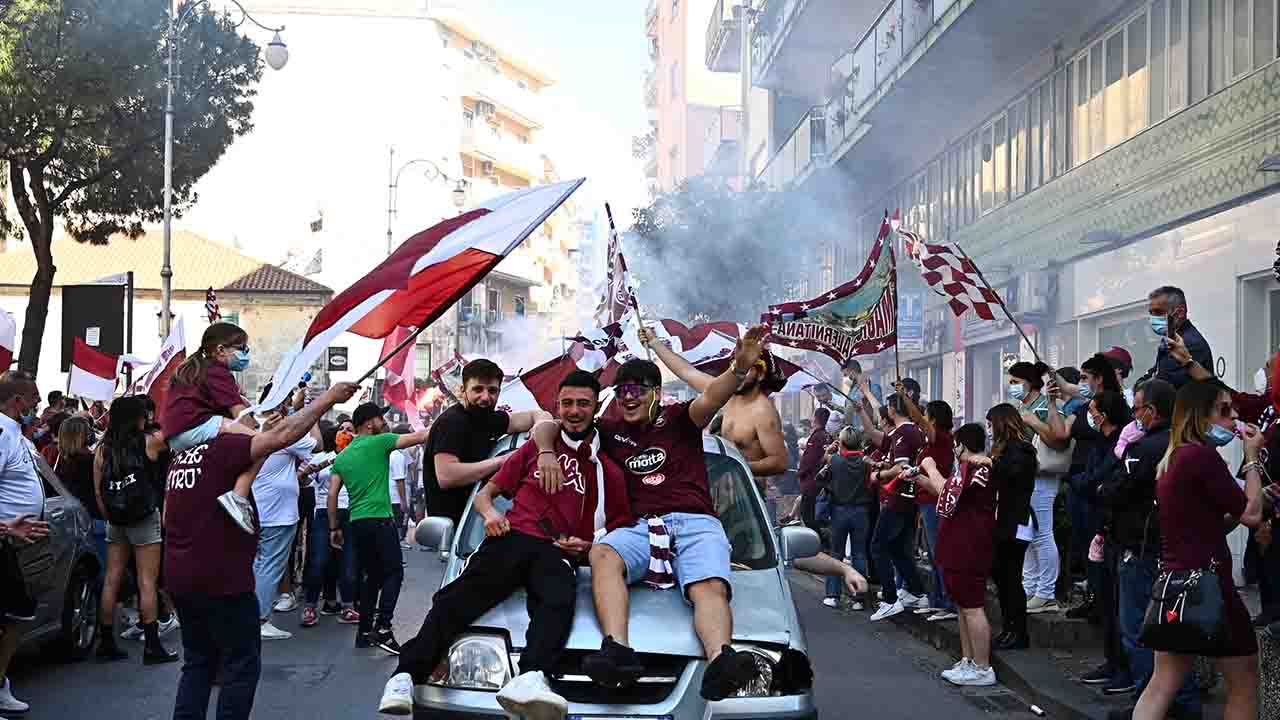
column 46, row 564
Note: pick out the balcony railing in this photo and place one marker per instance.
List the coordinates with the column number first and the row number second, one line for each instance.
column 484, row 81
column 651, row 18
column 766, row 32
column 651, row 88
column 806, row 145
column 724, row 37
column 855, row 78
column 523, row 159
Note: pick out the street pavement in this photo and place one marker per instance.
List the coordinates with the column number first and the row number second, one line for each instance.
column 859, row 668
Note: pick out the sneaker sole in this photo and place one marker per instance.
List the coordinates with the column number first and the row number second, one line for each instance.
column 396, row 707
column 229, row 506
column 974, row 682
column 286, row 636
column 391, row 650
column 1091, row 681
column 886, row 616
column 534, row 708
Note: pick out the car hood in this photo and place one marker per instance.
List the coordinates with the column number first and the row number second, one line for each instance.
column 661, row 621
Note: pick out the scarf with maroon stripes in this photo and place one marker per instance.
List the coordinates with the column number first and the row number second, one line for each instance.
column 660, row 575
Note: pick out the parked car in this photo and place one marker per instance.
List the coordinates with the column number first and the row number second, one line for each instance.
column 62, row 570
column 661, row 630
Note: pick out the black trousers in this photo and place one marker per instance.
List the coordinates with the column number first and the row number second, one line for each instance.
column 377, row 548
column 498, row 568
column 1006, row 571
column 1108, row 599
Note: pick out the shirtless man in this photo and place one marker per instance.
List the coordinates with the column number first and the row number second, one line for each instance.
column 750, row 420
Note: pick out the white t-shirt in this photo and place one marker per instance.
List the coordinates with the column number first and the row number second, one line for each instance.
column 320, row 481
column 275, row 490
column 399, row 472
column 21, row 491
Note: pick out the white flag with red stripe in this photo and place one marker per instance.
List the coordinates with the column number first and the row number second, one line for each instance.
column 426, row 275
column 8, row 339
column 93, row 372
column 156, row 381
column 951, row 274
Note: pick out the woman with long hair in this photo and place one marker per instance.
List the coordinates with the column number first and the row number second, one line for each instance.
column 130, row 456
column 1195, row 490
column 75, row 468
column 1013, row 471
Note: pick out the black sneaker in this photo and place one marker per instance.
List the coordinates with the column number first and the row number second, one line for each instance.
column 1084, row 611
column 1101, row 675
column 728, row 673
column 385, row 640
column 1012, row 641
column 1119, row 686
column 330, row 608
column 363, row 640
column 614, row 666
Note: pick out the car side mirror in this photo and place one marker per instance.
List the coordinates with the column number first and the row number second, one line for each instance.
column 435, row 533
column 799, row 542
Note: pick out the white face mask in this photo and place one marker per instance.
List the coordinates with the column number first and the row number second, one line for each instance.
column 1260, row 381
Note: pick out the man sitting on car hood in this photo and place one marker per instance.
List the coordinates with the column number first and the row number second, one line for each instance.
column 534, row 546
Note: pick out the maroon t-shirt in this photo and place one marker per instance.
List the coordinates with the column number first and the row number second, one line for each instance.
column 943, row 452
column 570, row 512
column 967, row 519
column 1192, row 496
column 187, row 406
column 905, row 443
column 205, row 552
column 663, row 460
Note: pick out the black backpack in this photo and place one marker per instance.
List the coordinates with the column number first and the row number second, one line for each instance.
column 128, row 494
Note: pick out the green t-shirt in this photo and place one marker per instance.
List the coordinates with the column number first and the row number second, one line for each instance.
column 365, row 468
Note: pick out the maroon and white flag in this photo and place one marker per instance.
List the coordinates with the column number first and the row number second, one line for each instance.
column 93, row 372
column 156, row 381
column 211, row 306
column 859, row 317
column 8, row 339
column 951, row 274
column 398, row 389
column 426, row 275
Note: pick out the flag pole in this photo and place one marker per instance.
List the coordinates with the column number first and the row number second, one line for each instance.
column 635, row 304
column 893, row 263
column 1017, row 326
column 394, row 351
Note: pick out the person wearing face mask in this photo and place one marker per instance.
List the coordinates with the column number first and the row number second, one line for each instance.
column 1195, row 490
column 535, row 546
column 1167, row 308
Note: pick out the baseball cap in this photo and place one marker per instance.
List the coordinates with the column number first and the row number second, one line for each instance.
column 366, row 412
column 1120, row 358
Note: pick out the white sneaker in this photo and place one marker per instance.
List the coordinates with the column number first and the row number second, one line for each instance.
column 169, row 625
column 978, row 677
column 957, row 671
column 8, row 702
column 133, row 632
column 887, row 611
column 856, row 605
column 130, row 617
column 926, row 610
column 831, row 602
column 397, row 696
column 1040, row 605
column 529, row 696
column 271, row 632
column 239, row 509
column 942, row 615
column 912, row 601
column 286, row 603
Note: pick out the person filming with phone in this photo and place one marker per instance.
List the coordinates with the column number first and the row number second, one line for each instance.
column 1167, row 312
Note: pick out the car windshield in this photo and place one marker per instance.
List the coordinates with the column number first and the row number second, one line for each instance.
column 733, row 495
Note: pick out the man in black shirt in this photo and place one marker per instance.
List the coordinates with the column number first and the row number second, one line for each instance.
column 462, row 437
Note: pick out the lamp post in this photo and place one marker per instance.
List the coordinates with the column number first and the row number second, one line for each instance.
column 459, row 192
column 276, row 55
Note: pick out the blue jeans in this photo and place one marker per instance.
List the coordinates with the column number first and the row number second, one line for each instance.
column 269, row 563
column 328, row 568
column 938, row 596
column 701, row 549
column 222, row 630
column 849, row 524
column 891, row 543
column 100, row 549
column 1136, row 576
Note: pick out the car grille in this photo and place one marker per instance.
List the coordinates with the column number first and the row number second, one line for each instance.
column 661, row 672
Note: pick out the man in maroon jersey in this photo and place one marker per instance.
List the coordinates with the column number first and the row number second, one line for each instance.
column 678, row 538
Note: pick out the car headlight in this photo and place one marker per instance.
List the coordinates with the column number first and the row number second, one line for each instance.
column 766, row 663
column 475, row 662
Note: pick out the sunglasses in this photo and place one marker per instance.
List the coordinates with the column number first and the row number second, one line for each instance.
column 634, row 391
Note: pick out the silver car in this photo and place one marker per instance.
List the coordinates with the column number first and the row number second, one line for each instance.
column 765, row 623
column 62, row 572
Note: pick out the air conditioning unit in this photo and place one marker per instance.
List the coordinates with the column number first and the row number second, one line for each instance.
column 485, row 109
column 486, row 167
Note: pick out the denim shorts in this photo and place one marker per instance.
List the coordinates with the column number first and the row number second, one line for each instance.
column 203, row 433
column 144, row 532
column 698, row 542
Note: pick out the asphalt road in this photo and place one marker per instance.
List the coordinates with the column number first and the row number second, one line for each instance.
column 859, row 667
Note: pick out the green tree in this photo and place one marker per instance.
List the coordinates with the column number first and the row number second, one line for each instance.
column 82, row 88
column 706, row 252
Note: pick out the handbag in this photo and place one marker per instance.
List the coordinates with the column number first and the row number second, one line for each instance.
column 1054, row 463
column 1187, row 613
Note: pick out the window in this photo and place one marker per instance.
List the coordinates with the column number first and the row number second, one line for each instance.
column 675, row 80
column 518, row 303
column 1018, row 148
column 987, row 148
column 1198, row 24
column 1113, row 100
column 468, row 118
column 1097, row 128
column 1242, row 38
column 1264, row 32
column 1000, row 132
column 1179, row 77
column 1159, row 41
column 675, row 9
column 1034, row 148
column 1080, row 116
column 1137, row 74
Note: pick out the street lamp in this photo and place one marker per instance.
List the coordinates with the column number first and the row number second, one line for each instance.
column 276, row 55
column 459, row 193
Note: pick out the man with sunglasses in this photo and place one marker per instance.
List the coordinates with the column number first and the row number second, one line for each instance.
column 530, row 546
column 678, row 538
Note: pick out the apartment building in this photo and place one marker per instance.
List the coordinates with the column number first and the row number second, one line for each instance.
column 692, row 110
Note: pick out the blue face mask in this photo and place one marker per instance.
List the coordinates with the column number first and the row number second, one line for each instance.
column 1159, row 325
column 28, row 417
column 1086, row 392
column 1219, row 436
column 1017, row 391
column 239, row 361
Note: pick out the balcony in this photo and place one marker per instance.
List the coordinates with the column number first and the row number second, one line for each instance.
column 482, row 81
column 483, row 142
column 790, row 38
column 651, row 19
column 721, row 145
column 724, row 37
column 651, row 88
column 800, row 155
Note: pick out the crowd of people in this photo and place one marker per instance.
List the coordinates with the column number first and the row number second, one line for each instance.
column 1149, row 498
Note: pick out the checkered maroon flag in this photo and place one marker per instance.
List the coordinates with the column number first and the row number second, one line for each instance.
column 951, row 274
column 211, row 306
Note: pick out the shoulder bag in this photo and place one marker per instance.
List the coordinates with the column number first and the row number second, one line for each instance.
column 1054, row 463
column 1187, row 613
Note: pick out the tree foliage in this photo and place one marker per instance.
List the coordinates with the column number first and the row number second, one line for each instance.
column 706, row 252
column 82, row 96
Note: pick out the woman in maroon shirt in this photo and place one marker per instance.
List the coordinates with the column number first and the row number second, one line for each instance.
column 966, row 542
column 1194, row 491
